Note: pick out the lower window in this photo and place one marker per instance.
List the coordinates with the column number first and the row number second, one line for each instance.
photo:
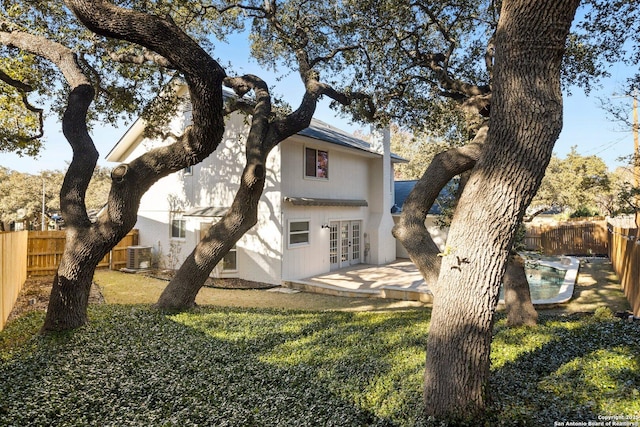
column 229, row 262
column 298, row 233
column 178, row 228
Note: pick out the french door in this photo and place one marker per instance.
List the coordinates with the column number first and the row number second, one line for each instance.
column 345, row 243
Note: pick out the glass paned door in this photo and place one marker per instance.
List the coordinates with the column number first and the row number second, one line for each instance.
column 345, row 243
column 355, row 242
column 333, row 245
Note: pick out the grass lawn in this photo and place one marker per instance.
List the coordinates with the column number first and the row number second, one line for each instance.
column 237, row 366
column 120, row 288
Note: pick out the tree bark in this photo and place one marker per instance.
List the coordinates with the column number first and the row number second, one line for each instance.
column 181, row 291
column 425, row 254
column 88, row 242
column 411, row 230
column 263, row 136
column 517, row 296
column 525, row 121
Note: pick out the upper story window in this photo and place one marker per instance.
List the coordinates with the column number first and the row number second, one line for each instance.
column 316, row 163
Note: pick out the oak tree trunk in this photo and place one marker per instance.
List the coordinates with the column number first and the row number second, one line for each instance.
column 263, row 136
column 88, row 242
column 412, row 232
column 517, row 296
column 525, row 121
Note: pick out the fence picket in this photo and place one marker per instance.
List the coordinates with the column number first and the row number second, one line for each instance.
column 625, row 258
column 46, row 249
column 13, row 270
column 589, row 238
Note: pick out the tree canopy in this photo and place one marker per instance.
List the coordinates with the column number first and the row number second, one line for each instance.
column 574, row 183
column 125, row 76
column 22, row 192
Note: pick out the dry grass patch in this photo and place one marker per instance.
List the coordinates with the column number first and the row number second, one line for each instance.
column 123, row 288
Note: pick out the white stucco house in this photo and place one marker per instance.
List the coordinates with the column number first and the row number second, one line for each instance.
column 326, row 205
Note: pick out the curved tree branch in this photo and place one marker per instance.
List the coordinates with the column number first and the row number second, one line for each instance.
column 86, row 242
column 24, row 89
column 141, row 59
column 411, row 229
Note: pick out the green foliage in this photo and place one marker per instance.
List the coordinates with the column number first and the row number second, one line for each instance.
column 20, row 334
column 24, row 191
column 613, row 30
column 625, row 194
column 124, row 83
column 221, row 366
column 548, row 374
column 418, row 149
column 575, row 182
column 583, row 212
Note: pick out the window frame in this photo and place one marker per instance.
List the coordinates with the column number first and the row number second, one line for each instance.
column 316, row 163
column 177, row 217
column 223, row 269
column 306, row 232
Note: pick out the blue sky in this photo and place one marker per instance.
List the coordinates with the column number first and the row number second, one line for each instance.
column 586, row 125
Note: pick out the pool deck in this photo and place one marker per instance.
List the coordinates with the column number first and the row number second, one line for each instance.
column 401, row 280
column 397, row 280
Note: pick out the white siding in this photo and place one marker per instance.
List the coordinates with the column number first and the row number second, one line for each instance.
column 304, row 261
column 348, row 179
column 214, row 182
column 348, row 172
column 263, row 253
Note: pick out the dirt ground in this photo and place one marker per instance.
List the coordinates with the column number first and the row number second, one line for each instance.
column 226, row 283
column 35, row 296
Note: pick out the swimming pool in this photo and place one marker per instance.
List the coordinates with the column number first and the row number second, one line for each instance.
column 551, row 279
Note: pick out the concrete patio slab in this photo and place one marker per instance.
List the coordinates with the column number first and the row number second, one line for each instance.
column 401, row 280
column 397, row 280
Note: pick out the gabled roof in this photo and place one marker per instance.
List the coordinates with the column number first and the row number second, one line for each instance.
column 318, row 130
column 325, row 132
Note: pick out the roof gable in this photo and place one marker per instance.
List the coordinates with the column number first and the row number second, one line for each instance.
column 317, row 129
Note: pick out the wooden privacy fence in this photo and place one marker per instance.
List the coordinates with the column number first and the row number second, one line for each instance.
column 624, row 254
column 45, row 250
column 572, row 238
column 13, row 270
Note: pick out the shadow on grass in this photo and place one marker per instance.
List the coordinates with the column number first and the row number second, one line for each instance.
column 573, row 368
column 135, row 366
column 265, row 367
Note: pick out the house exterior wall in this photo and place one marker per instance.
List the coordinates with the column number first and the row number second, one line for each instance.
column 348, row 172
column 308, row 260
column 265, row 253
column 350, row 177
column 213, row 182
column 383, row 247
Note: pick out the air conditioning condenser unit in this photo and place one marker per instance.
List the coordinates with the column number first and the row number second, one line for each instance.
column 138, row 257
